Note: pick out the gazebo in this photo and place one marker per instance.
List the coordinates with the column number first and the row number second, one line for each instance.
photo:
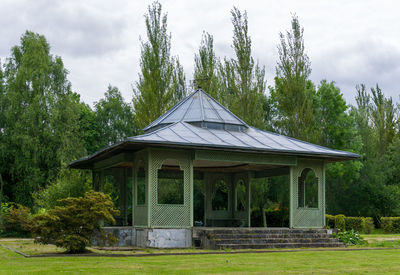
column 201, row 140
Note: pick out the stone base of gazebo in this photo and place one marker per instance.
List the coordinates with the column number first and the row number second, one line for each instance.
column 222, row 237
column 149, row 237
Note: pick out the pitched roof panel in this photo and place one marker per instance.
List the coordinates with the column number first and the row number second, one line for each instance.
column 197, row 107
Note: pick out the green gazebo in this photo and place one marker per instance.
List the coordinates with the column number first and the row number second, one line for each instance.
column 200, row 140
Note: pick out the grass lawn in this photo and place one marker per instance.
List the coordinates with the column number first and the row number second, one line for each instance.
column 304, row 262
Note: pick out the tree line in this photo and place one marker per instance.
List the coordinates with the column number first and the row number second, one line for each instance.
column 44, row 124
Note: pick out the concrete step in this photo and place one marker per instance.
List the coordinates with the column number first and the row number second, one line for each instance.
column 269, row 236
column 265, row 231
column 276, row 240
column 278, row 245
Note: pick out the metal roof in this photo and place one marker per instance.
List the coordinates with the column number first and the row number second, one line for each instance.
column 197, row 107
column 178, row 128
column 253, row 139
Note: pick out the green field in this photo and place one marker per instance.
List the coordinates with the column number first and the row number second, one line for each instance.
column 303, row 262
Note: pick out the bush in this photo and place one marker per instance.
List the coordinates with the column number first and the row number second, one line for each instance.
column 368, row 225
column 15, row 220
column 354, row 223
column 350, row 237
column 340, row 222
column 73, row 224
column 69, row 183
column 330, row 221
column 359, row 224
column 391, row 224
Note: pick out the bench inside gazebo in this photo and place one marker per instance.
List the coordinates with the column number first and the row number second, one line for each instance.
column 201, row 142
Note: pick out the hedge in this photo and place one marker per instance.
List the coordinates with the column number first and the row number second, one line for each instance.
column 391, row 224
column 360, row 224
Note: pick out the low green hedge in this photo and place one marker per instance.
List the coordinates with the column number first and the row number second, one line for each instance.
column 359, row 224
column 330, row 221
column 391, row 224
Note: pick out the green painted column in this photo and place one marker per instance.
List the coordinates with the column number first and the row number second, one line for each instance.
column 191, row 190
column 248, row 185
column 292, row 198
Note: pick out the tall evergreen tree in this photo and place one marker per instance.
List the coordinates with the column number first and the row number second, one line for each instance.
column 161, row 81
column 205, row 69
column 114, row 118
column 243, row 80
column 40, row 132
column 294, row 94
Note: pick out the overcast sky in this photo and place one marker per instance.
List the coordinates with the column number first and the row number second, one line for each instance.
column 349, row 42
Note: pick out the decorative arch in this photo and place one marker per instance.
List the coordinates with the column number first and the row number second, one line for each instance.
column 308, row 189
column 170, row 182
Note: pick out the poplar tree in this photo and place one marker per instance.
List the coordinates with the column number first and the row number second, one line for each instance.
column 205, row 69
column 294, row 94
column 161, row 80
column 243, row 80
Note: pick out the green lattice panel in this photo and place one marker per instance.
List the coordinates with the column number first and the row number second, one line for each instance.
column 308, row 217
column 171, row 216
column 140, row 216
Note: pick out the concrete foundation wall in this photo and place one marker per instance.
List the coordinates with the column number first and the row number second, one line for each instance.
column 148, row 237
column 126, row 236
column 169, row 238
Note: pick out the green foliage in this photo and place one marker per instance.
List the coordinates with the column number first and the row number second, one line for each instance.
column 205, row 69
column 359, row 224
column 356, row 224
column 39, row 133
column 369, row 225
column 242, row 80
column 350, row 237
column 330, row 221
column 340, row 222
column 69, row 183
column 294, row 95
column 391, row 224
column 161, row 81
column 114, row 118
column 73, row 224
column 15, row 220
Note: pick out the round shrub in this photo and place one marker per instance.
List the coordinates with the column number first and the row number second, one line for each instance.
column 73, row 224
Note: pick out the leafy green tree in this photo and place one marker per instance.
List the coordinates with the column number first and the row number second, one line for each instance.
column 114, row 118
column 338, row 131
column 69, row 183
column 89, row 129
column 178, row 82
column 383, row 120
column 294, row 94
column 243, row 80
column 206, row 67
column 39, row 131
column 161, row 81
column 75, row 223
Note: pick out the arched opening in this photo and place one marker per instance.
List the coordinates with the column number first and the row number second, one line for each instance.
column 170, row 187
column 308, row 189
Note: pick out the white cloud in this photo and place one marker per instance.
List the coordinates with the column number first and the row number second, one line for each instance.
column 348, row 41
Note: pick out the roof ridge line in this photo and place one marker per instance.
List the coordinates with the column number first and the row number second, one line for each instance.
column 166, row 114
column 225, row 108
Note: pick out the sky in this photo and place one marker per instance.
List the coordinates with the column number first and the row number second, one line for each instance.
column 349, row 42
